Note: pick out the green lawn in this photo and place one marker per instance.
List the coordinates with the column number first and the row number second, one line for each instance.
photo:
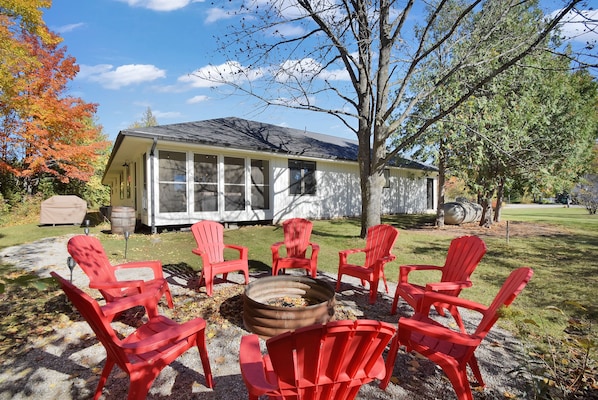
column 562, row 248
column 565, row 262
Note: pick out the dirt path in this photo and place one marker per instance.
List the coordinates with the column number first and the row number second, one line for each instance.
column 66, row 363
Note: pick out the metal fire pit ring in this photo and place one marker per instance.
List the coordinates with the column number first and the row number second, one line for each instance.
column 268, row 320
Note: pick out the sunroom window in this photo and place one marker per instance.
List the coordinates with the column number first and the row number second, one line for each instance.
column 173, row 181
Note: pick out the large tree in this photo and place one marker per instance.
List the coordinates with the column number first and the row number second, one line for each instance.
column 533, row 127
column 43, row 132
column 367, row 55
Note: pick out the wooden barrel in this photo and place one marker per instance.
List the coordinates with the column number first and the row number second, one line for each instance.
column 122, row 219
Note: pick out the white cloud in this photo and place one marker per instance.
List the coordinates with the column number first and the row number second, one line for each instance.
column 295, row 102
column 218, row 75
column 335, row 75
column 197, row 99
column 301, row 70
column 161, row 5
column 124, row 75
column 68, row 28
column 581, row 26
column 306, row 69
column 167, row 114
column 289, row 30
column 218, row 14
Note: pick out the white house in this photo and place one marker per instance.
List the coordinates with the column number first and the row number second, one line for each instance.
column 235, row 170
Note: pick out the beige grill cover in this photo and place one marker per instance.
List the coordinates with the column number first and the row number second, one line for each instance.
column 63, row 210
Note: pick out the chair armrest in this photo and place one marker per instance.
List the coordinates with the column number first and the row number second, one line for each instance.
column 171, row 335
column 147, row 300
column 440, row 286
column 253, row 368
column 138, row 283
column 275, row 248
column 404, row 270
column 429, row 328
column 387, row 259
column 241, row 249
column 315, row 249
column 154, row 265
column 343, row 254
column 432, row 298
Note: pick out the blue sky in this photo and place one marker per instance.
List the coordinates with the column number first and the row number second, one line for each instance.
column 135, row 54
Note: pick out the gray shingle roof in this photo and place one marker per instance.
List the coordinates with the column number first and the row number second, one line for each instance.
column 243, row 134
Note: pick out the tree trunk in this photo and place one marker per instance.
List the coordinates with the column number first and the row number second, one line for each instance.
column 486, row 203
column 373, row 204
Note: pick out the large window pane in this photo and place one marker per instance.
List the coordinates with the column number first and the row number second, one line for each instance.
column 234, row 183
column 173, row 181
column 302, row 177
column 309, row 178
column 294, row 177
column 260, row 185
column 205, row 177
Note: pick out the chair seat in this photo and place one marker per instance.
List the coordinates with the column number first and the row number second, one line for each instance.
column 155, row 285
column 288, row 262
column 426, row 344
column 358, row 271
column 151, row 328
column 228, row 265
column 410, row 289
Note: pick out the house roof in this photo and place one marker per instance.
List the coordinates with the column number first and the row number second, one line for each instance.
column 237, row 133
column 243, row 134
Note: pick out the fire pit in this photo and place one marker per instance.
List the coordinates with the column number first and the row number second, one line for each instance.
column 277, row 304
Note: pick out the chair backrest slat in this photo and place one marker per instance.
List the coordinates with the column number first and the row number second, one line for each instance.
column 89, row 254
column 508, row 292
column 379, row 242
column 329, row 361
column 463, row 256
column 297, row 232
column 209, row 236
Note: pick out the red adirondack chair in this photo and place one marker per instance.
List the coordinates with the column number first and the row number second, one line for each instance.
column 453, row 351
column 146, row 351
column 297, row 232
column 87, row 251
column 318, row 362
column 464, row 255
column 378, row 251
column 209, row 236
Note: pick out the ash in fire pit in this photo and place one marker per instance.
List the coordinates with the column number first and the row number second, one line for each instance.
column 277, row 304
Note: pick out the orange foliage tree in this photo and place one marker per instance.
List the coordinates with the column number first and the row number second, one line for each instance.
column 43, row 131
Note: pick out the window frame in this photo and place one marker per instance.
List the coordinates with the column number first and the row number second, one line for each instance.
column 302, row 177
